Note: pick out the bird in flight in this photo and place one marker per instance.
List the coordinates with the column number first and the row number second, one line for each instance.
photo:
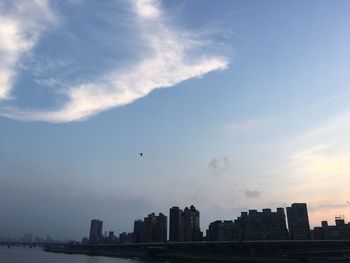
column 140, row 154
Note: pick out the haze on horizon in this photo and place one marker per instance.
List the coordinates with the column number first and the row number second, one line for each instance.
column 235, row 105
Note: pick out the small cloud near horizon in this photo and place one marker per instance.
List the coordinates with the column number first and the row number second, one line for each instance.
column 252, row 193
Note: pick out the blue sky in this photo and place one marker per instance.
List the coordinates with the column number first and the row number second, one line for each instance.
column 235, row 104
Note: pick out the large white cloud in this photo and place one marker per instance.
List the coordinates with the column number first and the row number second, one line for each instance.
column 169, row 62
column 20, row 26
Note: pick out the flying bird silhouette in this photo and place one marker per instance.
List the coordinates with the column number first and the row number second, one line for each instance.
column 140, row 154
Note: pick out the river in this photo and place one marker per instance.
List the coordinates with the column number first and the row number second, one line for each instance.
column 37, row 255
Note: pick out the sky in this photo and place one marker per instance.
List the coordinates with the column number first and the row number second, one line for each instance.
column 236, row 105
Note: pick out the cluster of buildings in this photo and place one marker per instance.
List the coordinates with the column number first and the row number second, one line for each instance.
column 184, row 226
column 29, row 238
column 97, row 236
column 264, row 225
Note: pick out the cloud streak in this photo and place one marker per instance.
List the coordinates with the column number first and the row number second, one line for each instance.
column 168, row 62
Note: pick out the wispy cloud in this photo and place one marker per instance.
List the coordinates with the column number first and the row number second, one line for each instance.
column 20, row 27
column 324, row 149
column 244, row 126
column 312, row 152
column 328, row 206
column 252, row 193
column 169, row 62
column 320, row 161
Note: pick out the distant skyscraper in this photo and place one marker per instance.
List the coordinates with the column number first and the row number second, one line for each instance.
column 176, row 229
column 147, row 230
column 298, row 222
column 123, row 237
column 152, row 229
column 161, row 228
column 96, row 231
column 136, row 236
column 191, row 224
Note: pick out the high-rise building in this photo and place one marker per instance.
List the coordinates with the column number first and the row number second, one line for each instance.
column 176, row 229
column 147, row 230
column 161, row 228
column 191, row 224
column 96, row 231
column 184, row 225
column 298, row 222
column 152, row 229
column 136, row 236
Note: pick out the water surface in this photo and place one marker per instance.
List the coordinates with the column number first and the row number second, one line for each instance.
column 37, row 255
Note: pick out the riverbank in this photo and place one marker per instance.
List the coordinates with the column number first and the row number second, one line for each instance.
column 248, row 251
column 175, row 257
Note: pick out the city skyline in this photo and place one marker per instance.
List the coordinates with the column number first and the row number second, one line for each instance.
column 291, row 223
column 234, row 105
column 98, row 234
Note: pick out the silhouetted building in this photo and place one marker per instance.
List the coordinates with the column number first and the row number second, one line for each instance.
column 224, row 231
column 111, row 234
column 191, row 224
column 146, row 234
column 298, row 222
column 265, row 225
column 85, row 241
column 129, row 238
column 96, row 231
column 152, row 229
column 123, row 237
column 176, row 230
column 184, row 225
column 136, row 237
column 161, row 228
column 339, row 231
column 111, row 238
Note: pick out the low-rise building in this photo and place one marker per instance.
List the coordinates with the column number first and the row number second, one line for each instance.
column 339, row 231
column 226, row 230
column 265, row 225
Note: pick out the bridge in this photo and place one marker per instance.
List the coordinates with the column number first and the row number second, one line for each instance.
column 10, row 244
